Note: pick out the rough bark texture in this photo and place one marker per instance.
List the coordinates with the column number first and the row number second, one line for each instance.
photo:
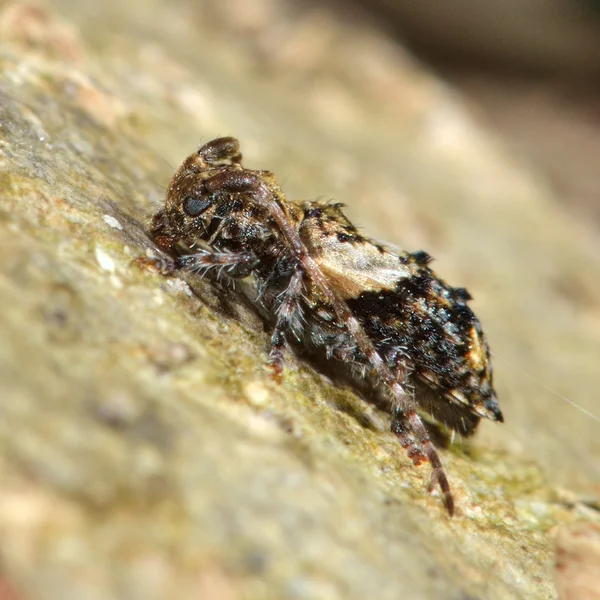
column 144, row 453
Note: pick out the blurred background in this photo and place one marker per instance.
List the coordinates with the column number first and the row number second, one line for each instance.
column 533, row 69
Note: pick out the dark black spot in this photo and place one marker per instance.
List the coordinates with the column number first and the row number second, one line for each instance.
column 413, row 317
column 411, row 288
column 421, row 257
column 313, row 213
column 462, row 294
column 195, row 206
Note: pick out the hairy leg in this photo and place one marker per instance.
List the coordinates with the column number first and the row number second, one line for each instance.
column 414, row 438
column 235, row 265
column 226, row 264
column 287, row 311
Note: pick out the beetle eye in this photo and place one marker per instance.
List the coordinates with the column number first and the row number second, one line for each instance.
column 195, row 206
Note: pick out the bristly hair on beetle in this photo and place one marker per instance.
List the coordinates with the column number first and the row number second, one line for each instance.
column 384, row 312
